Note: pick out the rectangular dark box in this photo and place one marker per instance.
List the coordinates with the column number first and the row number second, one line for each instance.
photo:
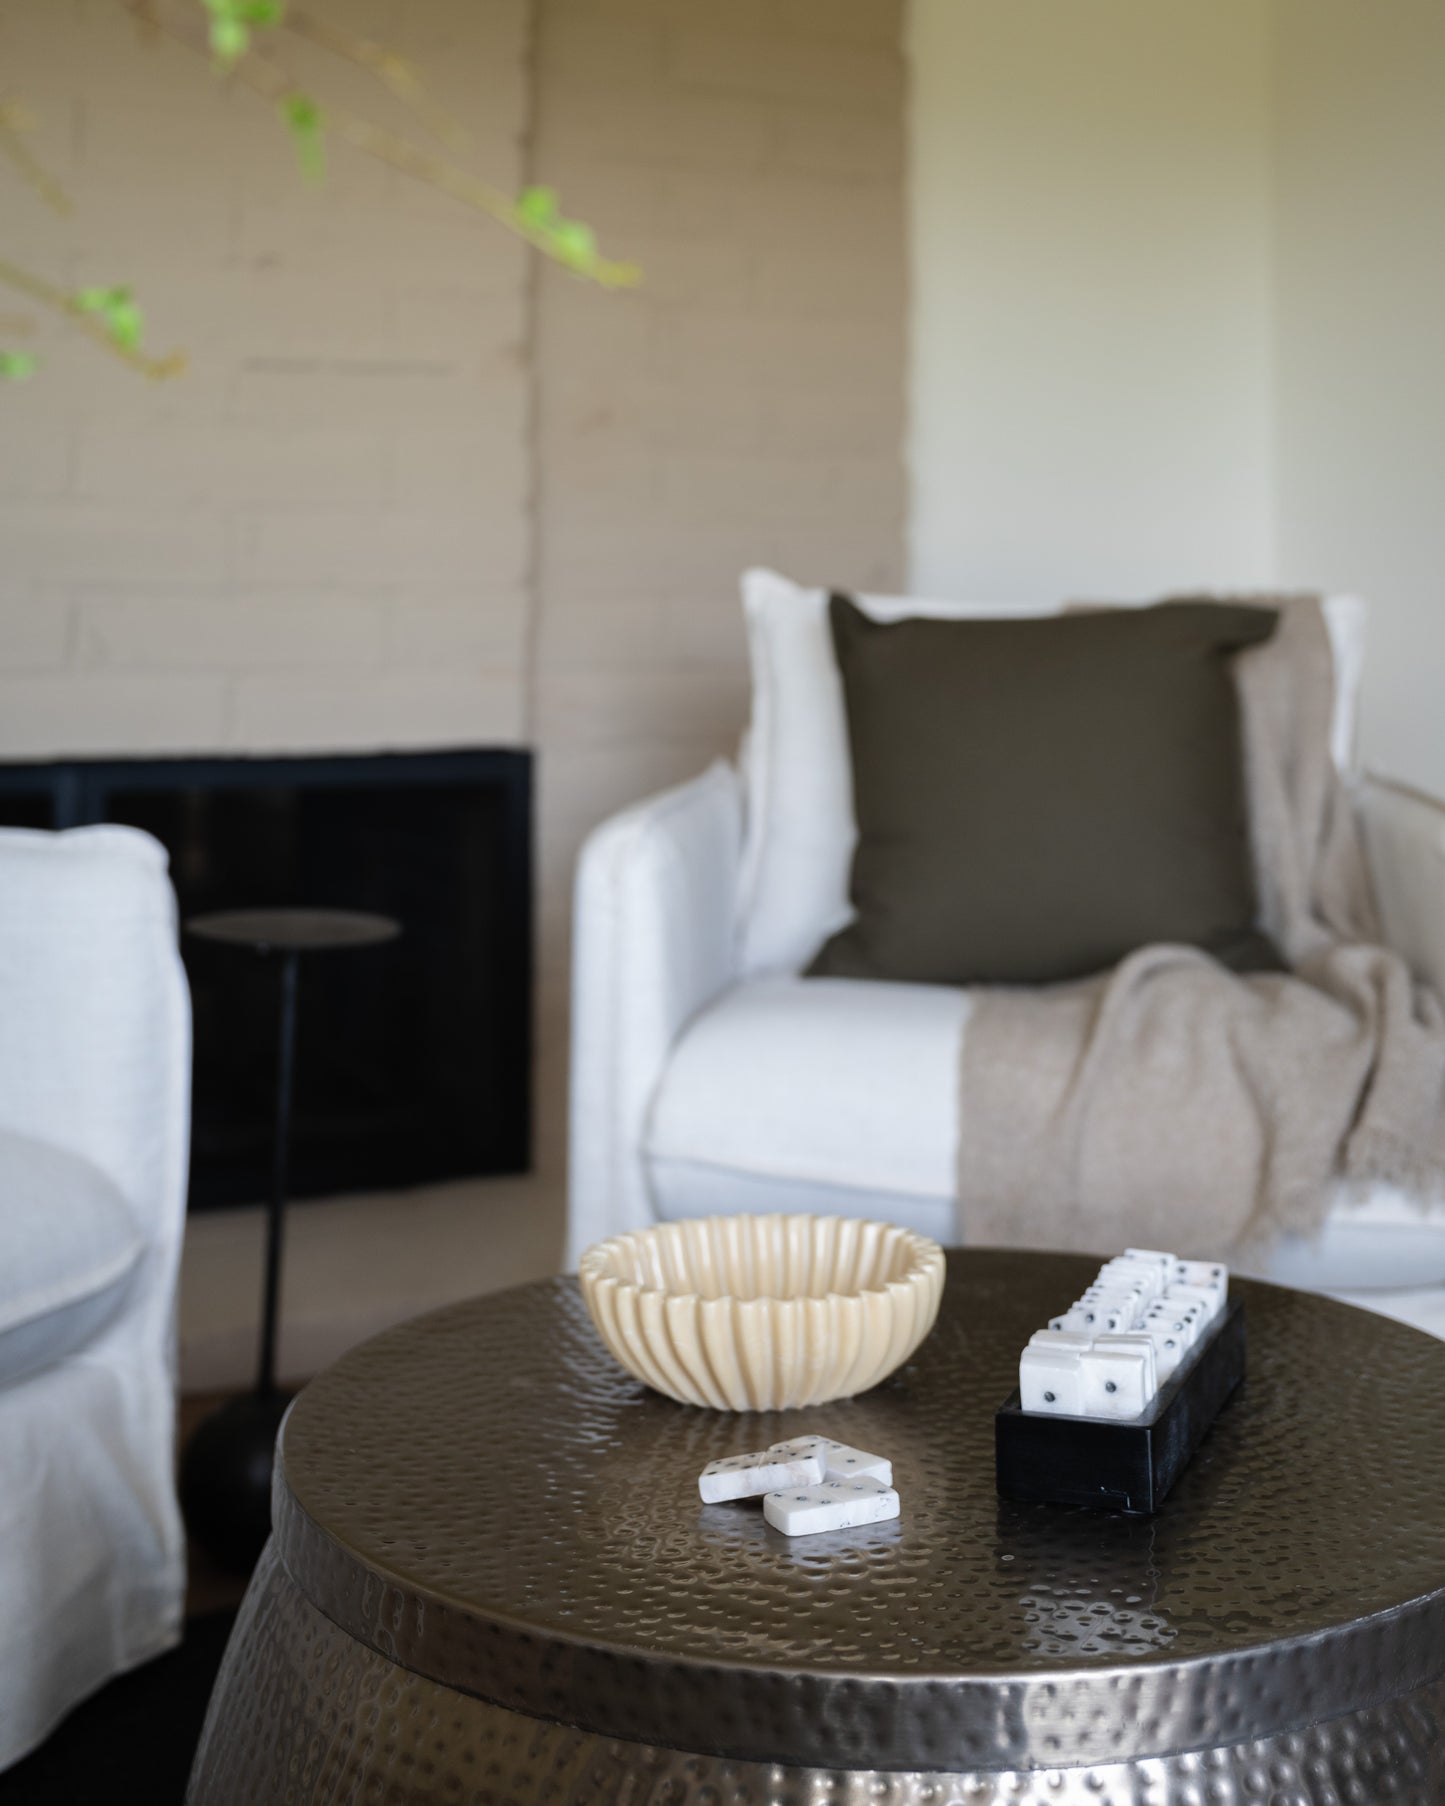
column 1121, row 1466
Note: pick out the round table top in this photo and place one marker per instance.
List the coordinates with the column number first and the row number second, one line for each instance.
column 487, row 1498
column 294, row 930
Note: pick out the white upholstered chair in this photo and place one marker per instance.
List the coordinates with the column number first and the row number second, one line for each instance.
column 708, row 1077
column 94, row 1128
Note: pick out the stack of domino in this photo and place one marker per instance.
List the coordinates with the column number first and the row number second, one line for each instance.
column 1109, row 1354
column 809, row 1484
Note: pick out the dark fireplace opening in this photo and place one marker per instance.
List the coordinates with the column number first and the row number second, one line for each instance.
column 413, row 1058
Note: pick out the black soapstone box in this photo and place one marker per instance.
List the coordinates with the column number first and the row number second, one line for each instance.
column 1122, row 1464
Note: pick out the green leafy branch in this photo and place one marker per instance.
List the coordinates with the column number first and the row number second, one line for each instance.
column 532, row 216
column 107, row 315
column 231, row 37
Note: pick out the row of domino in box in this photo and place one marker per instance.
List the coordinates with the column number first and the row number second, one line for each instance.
column 809, row 1484
column 1110, row 1352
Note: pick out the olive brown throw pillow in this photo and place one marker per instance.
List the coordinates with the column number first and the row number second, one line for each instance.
column 1038, row 797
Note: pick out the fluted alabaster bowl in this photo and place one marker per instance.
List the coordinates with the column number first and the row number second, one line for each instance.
column 763, row 1313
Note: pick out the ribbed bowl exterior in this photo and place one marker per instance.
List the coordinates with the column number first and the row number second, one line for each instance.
column 763, row 1313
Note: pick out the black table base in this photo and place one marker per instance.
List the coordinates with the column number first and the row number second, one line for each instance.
column 225, row 1478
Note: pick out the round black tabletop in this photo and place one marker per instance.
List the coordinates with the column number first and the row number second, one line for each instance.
column 486, row 1498
column 294, row 930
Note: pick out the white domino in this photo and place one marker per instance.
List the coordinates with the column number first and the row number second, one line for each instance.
column 840, row 1461
column 1208, row 1274
column 1051, row 1380
column 1150, row 1276
column 1190, row 1303
column 1176, row 1321
column 1115, row 1381
column 1106, row 1313
column 1153, row 1257
column 1076, row 1339
column 1170, row 1346
column 1073, row 1321
column 830, row 1505
column 748, row 1476
column 1111, row 1351
column 1210, row 1301
column 1136, row 1342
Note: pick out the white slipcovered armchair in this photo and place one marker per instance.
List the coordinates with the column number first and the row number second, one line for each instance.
column 709, row 1078
column 94, row 1127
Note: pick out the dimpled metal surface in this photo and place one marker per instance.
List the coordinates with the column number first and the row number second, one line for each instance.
column 483, row 1499
column 304, row 1715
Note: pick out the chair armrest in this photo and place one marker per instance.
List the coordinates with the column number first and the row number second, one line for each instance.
column 654, row 940
column 1404, row 833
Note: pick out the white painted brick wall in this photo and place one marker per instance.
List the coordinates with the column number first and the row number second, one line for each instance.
column 226, row 562
column 323, row 536
column 745, row 406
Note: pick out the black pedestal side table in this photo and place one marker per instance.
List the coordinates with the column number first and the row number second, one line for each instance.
column 225, row 1478
column 492, row 1583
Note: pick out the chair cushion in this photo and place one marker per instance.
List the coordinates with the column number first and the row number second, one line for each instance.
column 69, row 1249
column 841, row 1097
column 793, row 888
column 821, row 1094
column 1037, row 799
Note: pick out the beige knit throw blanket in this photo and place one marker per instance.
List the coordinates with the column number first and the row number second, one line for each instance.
column 1171, row 1104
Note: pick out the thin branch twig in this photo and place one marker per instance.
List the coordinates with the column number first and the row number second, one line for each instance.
column 268, row 79
column 48, row 295
column 395, row 73
column 13, row 146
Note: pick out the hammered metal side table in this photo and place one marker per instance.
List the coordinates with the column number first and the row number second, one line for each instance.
column 492, row 1581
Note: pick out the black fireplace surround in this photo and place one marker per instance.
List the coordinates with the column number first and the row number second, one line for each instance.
column 413, row 1062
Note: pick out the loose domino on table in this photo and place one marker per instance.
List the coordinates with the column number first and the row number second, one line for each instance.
column 748, row 1476
column 840, row 1460
column 830, row 1505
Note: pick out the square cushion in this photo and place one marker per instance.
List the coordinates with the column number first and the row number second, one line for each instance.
column 800, row 830
column 69, row 1250
column 1036, row 799
column 813, row 1095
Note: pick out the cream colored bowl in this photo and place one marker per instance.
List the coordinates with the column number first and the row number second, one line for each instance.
column 763, row 1313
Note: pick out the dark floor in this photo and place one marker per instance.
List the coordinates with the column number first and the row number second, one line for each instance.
column 133, row 1741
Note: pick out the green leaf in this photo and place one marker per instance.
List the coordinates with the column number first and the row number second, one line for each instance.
column 15, row 366
column 230, row 40
column 125, row 322
column 575, row 243
column 305, row 121
column 116, row 306
column 233, row 21
column 538, row 207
